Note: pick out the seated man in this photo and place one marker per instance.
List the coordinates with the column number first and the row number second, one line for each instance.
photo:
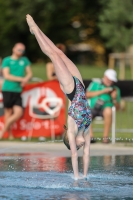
column 103, row 95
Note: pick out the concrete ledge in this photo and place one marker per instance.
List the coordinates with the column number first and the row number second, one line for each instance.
column 59, row 149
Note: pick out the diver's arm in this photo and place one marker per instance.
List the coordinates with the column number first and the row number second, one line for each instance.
column 74, row 154
column 86, row 155
column 75, row 165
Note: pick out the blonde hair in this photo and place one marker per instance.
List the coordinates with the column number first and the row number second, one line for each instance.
column 65, row 138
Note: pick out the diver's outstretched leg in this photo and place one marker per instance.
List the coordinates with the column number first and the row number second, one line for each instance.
column 63, row 74
column 68, row 63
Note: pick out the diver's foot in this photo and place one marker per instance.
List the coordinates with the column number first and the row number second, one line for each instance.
column 79, row 178
column 85, row 178
column 32, row 25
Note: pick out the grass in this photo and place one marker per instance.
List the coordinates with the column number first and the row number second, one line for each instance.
column 123, row 119
column 87, row 72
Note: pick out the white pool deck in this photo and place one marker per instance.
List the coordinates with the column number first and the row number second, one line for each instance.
column 59, row 149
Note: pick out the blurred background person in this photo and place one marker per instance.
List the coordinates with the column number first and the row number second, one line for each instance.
column 16, row 72
column 50, row 71
column 103, row 95
column 1, row 76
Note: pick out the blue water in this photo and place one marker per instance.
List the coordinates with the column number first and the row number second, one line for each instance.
column 39, row 176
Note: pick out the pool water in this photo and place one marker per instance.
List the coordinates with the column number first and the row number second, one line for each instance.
column 41, row 176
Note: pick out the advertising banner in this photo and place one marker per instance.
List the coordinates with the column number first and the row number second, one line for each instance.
column 44, row 111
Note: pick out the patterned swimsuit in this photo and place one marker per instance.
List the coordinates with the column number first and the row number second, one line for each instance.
column 79, row 109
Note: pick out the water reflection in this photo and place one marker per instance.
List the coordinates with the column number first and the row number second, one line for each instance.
column 32, row 162
column 43, row 162
column 72, row 196
column 85, row 183
column 49, row 177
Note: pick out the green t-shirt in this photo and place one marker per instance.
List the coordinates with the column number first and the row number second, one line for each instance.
column 97, row 86
column 17, row 68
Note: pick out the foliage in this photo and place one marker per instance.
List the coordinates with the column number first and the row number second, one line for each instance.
column 116, row 24
column 55, row 18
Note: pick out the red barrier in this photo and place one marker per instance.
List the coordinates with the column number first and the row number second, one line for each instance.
column 44, row 111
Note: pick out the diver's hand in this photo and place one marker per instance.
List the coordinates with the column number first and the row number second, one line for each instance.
column 79, row 177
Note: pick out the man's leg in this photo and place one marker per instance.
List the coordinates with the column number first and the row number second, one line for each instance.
column 7, row 114
column 94, row 114
column 17, row 114
column 107, row 114
column 91, row 131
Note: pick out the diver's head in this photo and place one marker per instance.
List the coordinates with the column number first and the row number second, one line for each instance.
column 65, row 138
column 79, row 141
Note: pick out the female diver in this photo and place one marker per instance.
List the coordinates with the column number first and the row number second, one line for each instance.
column 79, row 114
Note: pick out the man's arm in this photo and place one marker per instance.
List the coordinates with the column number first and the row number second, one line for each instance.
column 116, row 104
column 114, row 95
column 8, row 76
column 90, row 94
column 28, row 73
column 27, row 76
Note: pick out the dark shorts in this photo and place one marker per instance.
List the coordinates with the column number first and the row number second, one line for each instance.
column 96, row 113
column 11, row 99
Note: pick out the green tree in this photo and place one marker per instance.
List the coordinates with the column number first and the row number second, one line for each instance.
column 116, row 24
column 68, row 21
column 53, row 17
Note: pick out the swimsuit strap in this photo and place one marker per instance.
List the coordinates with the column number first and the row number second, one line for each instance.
column 71, row 95
column 78, row 81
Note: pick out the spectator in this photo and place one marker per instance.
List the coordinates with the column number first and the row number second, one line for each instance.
column 103, row 95
column 16, row 72
column 50, row 70
column 1, row 77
